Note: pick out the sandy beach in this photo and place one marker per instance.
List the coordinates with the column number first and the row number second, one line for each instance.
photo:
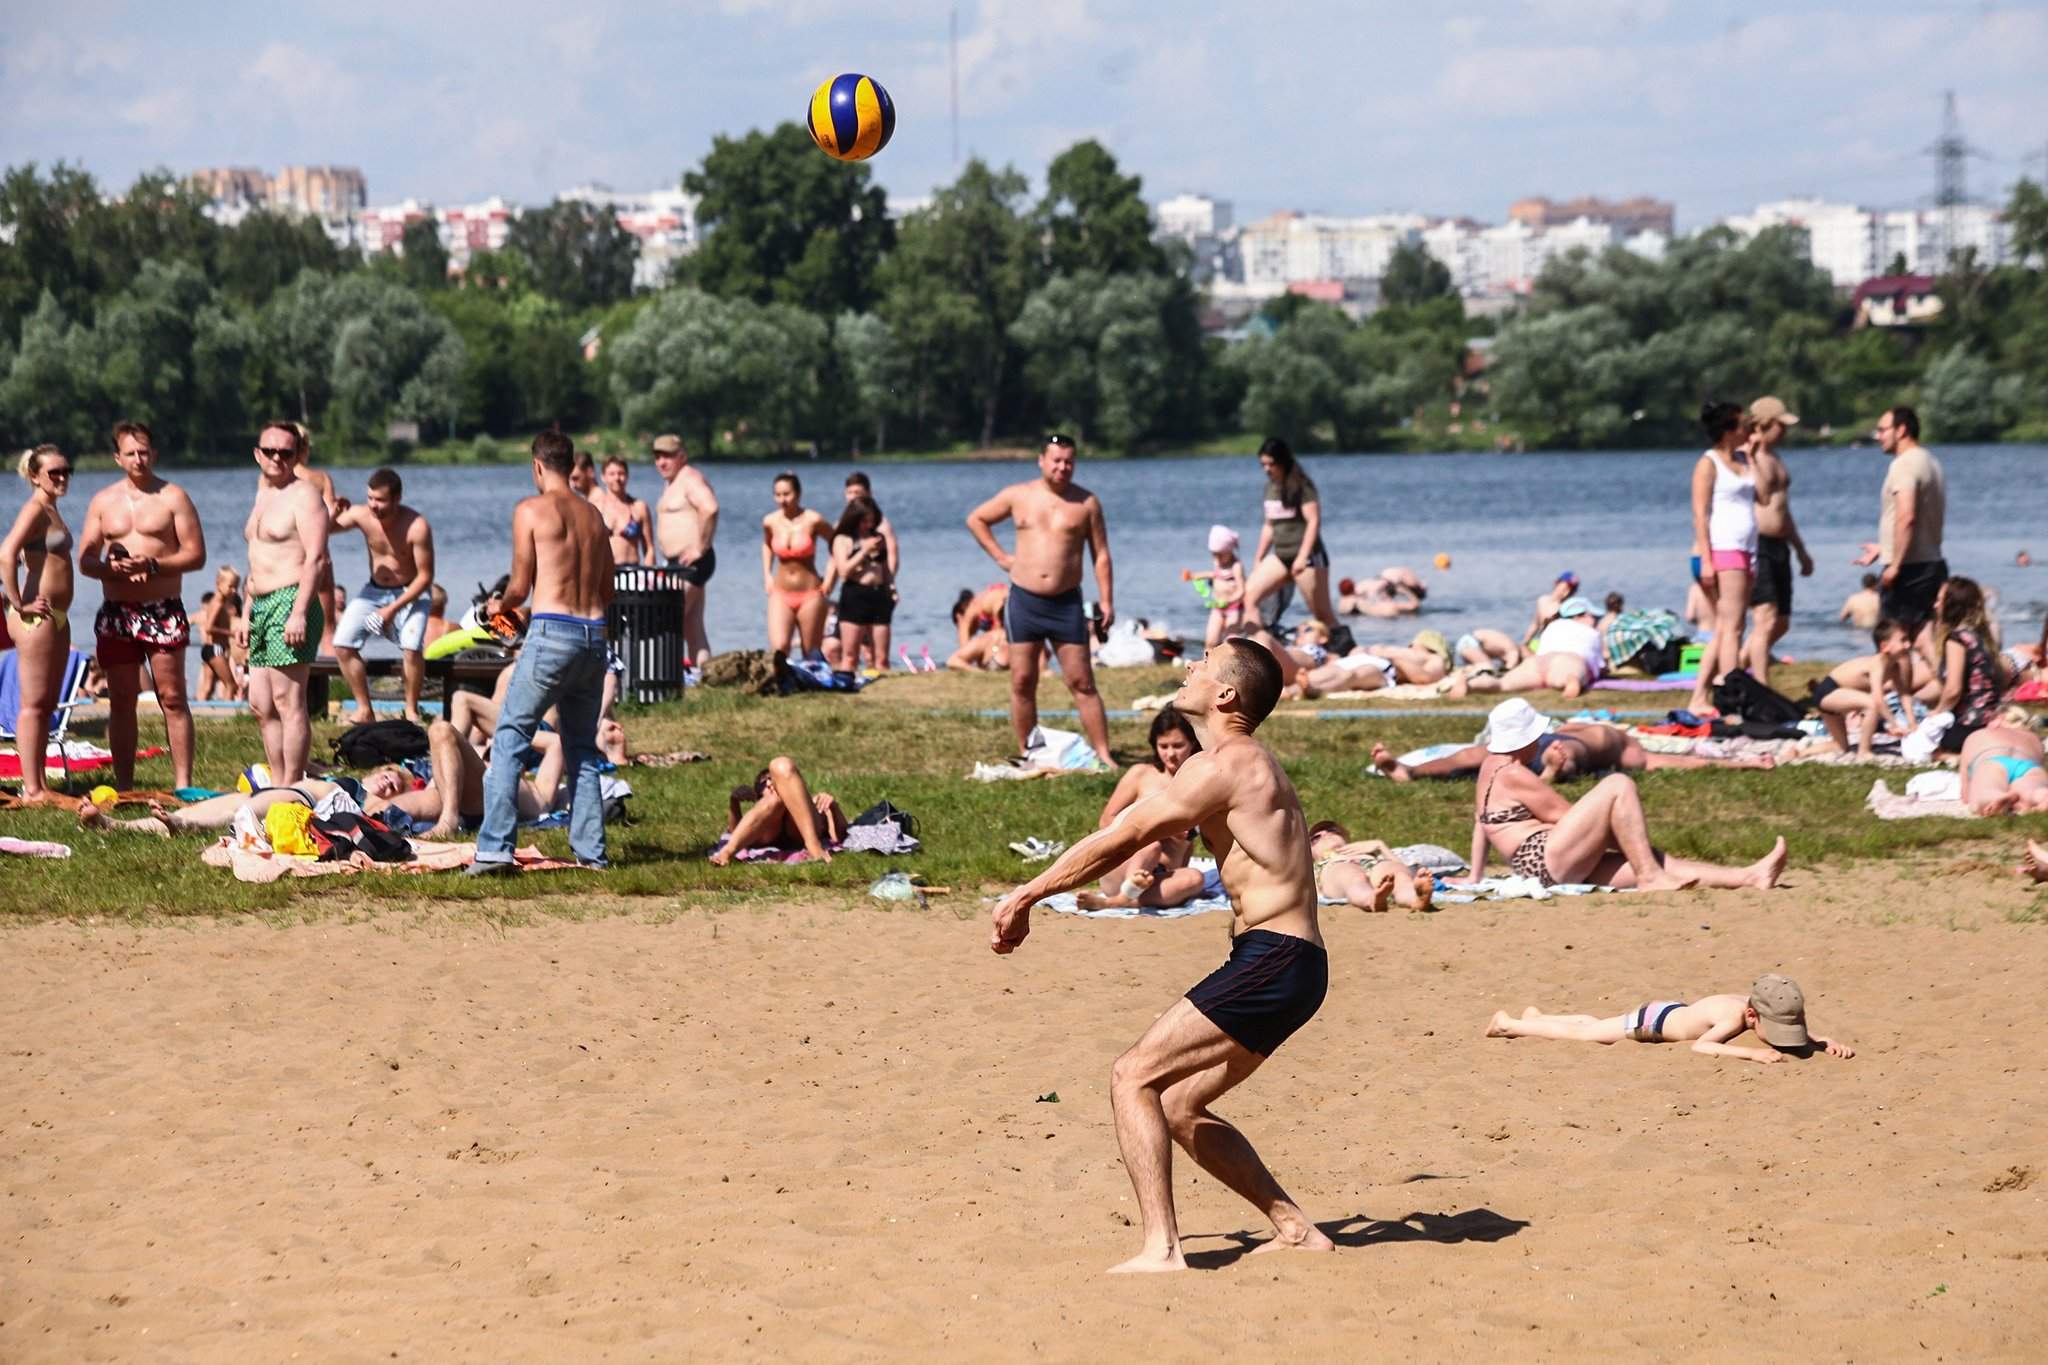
column 816, row 1133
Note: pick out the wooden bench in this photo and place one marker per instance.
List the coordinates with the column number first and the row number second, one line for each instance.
column 451, row 674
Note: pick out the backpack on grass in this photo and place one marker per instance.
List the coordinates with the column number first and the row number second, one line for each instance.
column 376, row 742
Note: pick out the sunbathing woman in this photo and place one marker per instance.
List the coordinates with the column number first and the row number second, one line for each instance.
column 1158, row 874
column 978, row 616
column 1601, row 839
column 1364, row 872
column 785, row 814
column 2002, row 771
column 453, row 801
column 1568, row 658
column 1573, row 749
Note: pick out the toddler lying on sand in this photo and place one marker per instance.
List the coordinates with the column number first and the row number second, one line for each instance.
column 1774, row 1009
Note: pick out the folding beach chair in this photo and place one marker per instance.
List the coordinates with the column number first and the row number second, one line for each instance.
column 70, row 696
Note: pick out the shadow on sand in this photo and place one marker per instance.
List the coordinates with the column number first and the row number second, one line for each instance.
column 1359, row 1230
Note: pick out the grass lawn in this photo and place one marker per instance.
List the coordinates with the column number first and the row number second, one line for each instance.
column 912, row 739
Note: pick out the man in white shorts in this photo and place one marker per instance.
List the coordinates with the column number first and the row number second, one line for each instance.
column 393, row 604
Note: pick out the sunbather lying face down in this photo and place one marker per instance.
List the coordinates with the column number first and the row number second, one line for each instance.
column 1774, row 1010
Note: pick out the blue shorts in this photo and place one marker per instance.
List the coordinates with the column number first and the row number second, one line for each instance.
column 1272, row 985
column 1029, row 617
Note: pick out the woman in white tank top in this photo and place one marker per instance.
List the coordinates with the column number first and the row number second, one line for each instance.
column 1723, row 541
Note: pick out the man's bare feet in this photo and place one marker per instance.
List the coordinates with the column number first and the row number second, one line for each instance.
column 1389, row 766
column 417, row 719
column 355, row 716
column 91, row 816
column 1765, row 871
column 1500, row 1026
column 1151, row 1262
column 1308, row 1237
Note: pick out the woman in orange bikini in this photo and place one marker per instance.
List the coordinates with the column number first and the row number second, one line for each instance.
column 790, row 537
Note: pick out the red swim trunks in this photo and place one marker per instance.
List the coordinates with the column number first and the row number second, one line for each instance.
column 129, row 631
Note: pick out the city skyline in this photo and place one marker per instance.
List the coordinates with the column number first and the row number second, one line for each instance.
column 1556, row 97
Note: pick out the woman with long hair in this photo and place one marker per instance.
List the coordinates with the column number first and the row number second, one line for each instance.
column 1723, row 541
column 867, row 592
column 36, row 583
column 785, row 813
column 1973, row 676
column 1157, row 874
column 789, row 569
column 1291, row 540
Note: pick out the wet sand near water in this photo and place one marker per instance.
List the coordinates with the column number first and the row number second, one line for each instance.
column 814, row 1133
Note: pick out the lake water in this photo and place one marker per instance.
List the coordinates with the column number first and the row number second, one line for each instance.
column 1510, row 523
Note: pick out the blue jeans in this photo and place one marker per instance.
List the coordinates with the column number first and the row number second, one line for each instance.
column 561, row 665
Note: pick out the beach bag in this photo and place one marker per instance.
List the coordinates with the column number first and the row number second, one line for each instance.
column 342, row 835
column 758, row 671
column 1740, row 694
column 889, row 813
column 377, row 742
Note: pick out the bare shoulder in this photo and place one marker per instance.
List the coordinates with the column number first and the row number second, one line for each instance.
column 172, row 493
column 304, row 497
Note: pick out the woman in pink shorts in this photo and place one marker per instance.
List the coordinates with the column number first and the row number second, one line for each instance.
column 1723, row 541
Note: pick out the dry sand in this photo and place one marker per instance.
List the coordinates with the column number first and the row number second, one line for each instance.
column 811, row 1133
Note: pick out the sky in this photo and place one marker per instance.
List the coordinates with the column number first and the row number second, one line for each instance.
column 1337, row 106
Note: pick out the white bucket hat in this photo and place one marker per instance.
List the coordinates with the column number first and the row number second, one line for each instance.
column 1512, row 725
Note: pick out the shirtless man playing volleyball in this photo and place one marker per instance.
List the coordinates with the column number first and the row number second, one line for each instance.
column 1235, row 792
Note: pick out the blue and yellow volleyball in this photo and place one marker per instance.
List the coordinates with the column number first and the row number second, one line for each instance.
column 851, row 117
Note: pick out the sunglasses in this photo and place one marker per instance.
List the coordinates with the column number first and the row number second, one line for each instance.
column 58, row 471
column 278, row 452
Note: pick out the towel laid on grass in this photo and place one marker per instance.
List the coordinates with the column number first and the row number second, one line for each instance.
column 1936, row 793
column 249, row 865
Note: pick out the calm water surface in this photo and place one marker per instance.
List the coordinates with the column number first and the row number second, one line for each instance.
column 1510, row 523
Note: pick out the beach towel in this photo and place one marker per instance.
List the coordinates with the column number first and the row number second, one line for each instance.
column 250, row 865
column 1920, row 800
column 1635, row 631
column 84, row 757
column 1210, row 898
column 1425, row 754
column 1512, row 889
column 33, row 848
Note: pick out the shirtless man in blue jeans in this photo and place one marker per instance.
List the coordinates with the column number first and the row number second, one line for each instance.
column 1219, row 1033
column 562, row 557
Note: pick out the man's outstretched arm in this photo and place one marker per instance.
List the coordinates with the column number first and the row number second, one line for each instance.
column 1197, row 791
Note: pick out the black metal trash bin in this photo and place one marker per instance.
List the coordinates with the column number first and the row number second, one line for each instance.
column 646, row 628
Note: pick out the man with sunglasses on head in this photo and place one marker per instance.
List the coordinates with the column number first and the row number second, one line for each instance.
column 1056, row 520
column 141, row 537
column 281, row 616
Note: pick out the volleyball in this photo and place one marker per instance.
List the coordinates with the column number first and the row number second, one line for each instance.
column 851, row 117
column 254, row 779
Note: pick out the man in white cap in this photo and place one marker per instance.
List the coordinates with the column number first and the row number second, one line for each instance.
column 1777, row 537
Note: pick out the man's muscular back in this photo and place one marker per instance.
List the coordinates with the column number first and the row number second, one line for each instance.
column 572, row 568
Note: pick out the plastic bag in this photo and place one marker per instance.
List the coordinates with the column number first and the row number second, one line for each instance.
column 286, row 824
column 897, row 886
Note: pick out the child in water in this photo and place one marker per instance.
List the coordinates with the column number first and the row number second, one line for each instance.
column 1223, row 586
column 1774, row 1009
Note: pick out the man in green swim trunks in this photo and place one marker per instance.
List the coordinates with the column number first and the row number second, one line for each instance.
column 281, row 624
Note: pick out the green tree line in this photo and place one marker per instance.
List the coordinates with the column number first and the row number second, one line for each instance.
column 810, row 314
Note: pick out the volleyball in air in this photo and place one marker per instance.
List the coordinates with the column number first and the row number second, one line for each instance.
column 851, row 117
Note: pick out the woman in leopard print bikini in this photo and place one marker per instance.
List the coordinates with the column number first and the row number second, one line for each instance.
column 1602, row 839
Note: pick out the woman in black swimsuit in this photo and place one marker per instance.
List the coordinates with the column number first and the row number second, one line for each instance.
column 1602, row 839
